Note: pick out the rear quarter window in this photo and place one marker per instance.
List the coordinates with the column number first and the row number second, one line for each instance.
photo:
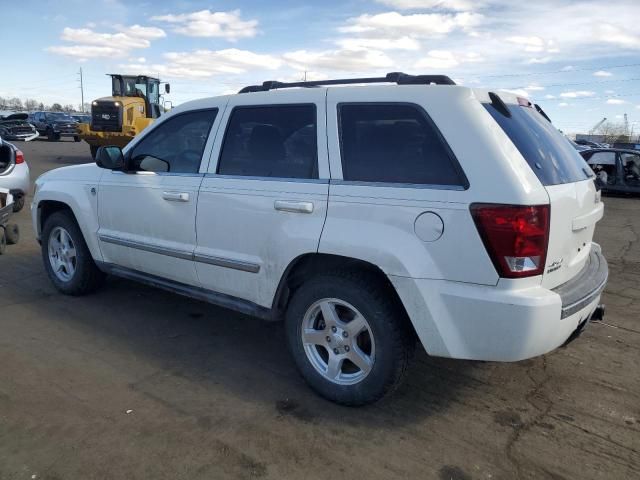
column 395, row 143
column 549, row 154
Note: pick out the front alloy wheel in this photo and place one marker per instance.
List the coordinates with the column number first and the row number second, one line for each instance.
column 338, row 341
column 62, row 254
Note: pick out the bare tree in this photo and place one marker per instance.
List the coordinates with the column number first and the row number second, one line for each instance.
column 56, row 107
column 613, row 132
column 30, row 104
column 68, row 108
column 15, row 103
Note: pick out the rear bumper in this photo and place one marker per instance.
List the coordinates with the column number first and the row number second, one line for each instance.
column 17, row 180
column 512, row 321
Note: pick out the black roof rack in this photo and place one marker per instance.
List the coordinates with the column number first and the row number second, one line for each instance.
column 393, row 77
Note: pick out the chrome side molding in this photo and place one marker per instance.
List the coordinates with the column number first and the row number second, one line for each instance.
column 184, row 255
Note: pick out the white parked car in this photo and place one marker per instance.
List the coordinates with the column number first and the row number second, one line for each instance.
column 14, row 173
column 366, row 216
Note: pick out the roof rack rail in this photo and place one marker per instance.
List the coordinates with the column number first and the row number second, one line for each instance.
column 393, row 77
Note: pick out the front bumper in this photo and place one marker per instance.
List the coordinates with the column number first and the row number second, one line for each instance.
column 512, row 321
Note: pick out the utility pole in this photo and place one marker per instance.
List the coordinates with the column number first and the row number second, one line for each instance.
column 81, row 91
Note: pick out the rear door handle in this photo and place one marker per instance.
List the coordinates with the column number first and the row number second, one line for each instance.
column 293, row 206
column 175, row 196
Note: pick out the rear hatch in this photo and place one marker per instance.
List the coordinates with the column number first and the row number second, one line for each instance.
column 575, row 203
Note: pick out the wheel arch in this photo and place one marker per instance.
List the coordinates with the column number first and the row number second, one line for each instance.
column 312, row 264
column 48, row 206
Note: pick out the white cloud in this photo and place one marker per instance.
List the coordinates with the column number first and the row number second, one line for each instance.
column 549, row 97
column 638, row 107
column 444, row 59
column 609, row 91
column 419, row 25
column 207, row 63
column 429, row 4
column 568, row 68
column 609, row 33
column 205, row 23
column 563, row 104
column 357, row 60
column 88, row 43
column 602, row 73
column 615, row 101
column 534, row 88
column 577, row 94
column 401, row 43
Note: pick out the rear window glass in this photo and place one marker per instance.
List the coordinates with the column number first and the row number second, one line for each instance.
column 549, row 154
column 394, row 143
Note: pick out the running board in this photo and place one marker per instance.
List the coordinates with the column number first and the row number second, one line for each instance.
column 198, row 293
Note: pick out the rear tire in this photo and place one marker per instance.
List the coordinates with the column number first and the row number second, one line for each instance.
column 3, row 241
column 93, row 150
column 66, row 256
column 12, row 234
column 76, row 138
column 381, row 342
column 18, row 204
column 50, row 135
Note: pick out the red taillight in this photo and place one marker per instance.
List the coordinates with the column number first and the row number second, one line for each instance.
column 516, row 237
column 19, row 157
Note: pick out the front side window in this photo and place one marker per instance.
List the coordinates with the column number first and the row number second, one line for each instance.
column 394, row 143
column 176, row 145
column 271, row 141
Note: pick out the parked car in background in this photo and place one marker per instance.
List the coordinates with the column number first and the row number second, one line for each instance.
column 81, row 117
column 617, row 170
column 54, row 125
column 360, row 215
column 590, row 144
column 14, row 173
column 578, row 147
column 16, row 127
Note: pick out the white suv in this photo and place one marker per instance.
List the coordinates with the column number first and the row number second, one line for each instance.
column 366, row 216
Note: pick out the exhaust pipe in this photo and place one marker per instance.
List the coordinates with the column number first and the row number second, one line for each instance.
column 598, row 313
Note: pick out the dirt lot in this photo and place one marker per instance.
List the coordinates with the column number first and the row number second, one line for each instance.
column 139, row 384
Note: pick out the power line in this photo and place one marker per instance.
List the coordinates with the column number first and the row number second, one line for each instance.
column 564, row 70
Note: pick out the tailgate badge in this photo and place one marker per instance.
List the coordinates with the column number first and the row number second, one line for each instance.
column 555, row 266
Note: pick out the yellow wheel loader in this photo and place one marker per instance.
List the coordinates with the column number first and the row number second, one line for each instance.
column 133, row 105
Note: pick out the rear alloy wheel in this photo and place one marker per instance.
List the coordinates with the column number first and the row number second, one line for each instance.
column 349, row 337
column 338, row 341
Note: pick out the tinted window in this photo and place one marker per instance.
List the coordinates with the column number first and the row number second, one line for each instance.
column 546, row 150
column 176, row 145
column 394, row 143
column 271, row 141
column 602, row 158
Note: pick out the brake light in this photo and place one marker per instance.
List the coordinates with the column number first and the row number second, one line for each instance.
column 19, row 157
column 516, row 237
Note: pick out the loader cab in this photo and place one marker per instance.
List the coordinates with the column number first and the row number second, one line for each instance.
column 141, row 86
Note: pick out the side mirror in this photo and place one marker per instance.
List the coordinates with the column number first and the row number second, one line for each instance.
column 110, row 158
column 167, row 88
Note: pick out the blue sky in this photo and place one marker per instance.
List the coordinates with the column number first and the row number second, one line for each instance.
column 579, row 60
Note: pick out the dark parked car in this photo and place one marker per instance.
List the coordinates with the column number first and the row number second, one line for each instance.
column 16, row 127
column 55, row 125
column 617, row 170
column 81, row 117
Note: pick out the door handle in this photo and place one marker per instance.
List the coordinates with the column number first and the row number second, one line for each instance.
column 293, row 206
column 175, row 196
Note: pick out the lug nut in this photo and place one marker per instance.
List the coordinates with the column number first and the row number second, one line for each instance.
column 328, row 339
column 346, row 348
column 345, row 334
column 334, row 329
column 336, row 351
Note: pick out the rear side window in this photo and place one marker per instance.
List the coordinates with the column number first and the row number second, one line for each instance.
column 549, row 154
column 271, row 141
column 394, row 143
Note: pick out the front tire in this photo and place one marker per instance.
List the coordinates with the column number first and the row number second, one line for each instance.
column 66, row 256
column 349, row 337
